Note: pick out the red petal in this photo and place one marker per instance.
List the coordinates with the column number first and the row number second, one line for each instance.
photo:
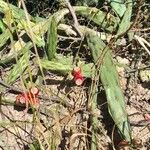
column 76, row 71
column 79, row 81
column 78, row 77
column 20, row 98
column 34, row 91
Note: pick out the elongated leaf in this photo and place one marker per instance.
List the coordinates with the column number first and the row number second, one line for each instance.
column 16, row 12
column 94, row 119
column 104, row 20
column 56, row 66
column 34, row 146
column 87, row 69
column 37, row 38
column 18, row 68
column 52, row 39
column 4, row 37
column 110, row 81
column 12, row 55
column 63, row 65
column 2, row 26
column 125, row 22
column 118, row 6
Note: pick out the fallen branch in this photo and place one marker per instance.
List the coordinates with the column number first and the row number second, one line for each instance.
column 142, row 42
column 44, row 97
column 76, row 23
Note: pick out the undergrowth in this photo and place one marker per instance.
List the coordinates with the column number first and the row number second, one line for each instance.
column 66, row 51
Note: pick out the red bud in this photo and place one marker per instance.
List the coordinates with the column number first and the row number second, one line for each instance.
column 34, row 91
column 78, row 77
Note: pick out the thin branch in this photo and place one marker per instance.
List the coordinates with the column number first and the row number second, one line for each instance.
column 69, row 38
column 44, row 97
column 142, row 42
column 76, row 23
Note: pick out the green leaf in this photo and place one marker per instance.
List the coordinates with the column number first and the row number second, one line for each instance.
column 104, row 20
column 16, row 12
column 52, row 39
column 118, row 6
column 2, row 26
column 12, row 54
column 4, row 37
column 87, row 69
column 18, row 68
column 125, row 22
column 94, row 118
column 34, row 146
column 130, row 35
column 63, row 65
column 37, row 38
column 110, row 80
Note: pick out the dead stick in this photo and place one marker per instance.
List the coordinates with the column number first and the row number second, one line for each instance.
column 76, row 23
column 44, row 97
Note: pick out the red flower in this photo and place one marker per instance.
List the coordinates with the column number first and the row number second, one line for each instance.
column 78, row 76
column 29, row 98
column 34, row 91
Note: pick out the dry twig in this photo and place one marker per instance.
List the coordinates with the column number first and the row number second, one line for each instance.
column 76, row 23
column 142, row 41
column 44, row 97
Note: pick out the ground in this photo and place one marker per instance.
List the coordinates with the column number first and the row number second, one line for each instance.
column 70, row 129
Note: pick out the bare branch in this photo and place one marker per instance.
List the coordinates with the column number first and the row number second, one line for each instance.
column 76, row 23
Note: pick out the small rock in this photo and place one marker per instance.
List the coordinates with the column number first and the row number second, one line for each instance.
column 145, row 75
column 122, row 60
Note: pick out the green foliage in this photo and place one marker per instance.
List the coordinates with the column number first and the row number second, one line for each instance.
column 2, row 26
column 64, row 65
column 104, row 20
column 35, row 146
column 126, row 20
column 18, row 68
column 118, row 6
column 94, row 119
column 4, row 37
column 110, row 80
column 15, row 11
column 15, row 22
column 52, row 39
